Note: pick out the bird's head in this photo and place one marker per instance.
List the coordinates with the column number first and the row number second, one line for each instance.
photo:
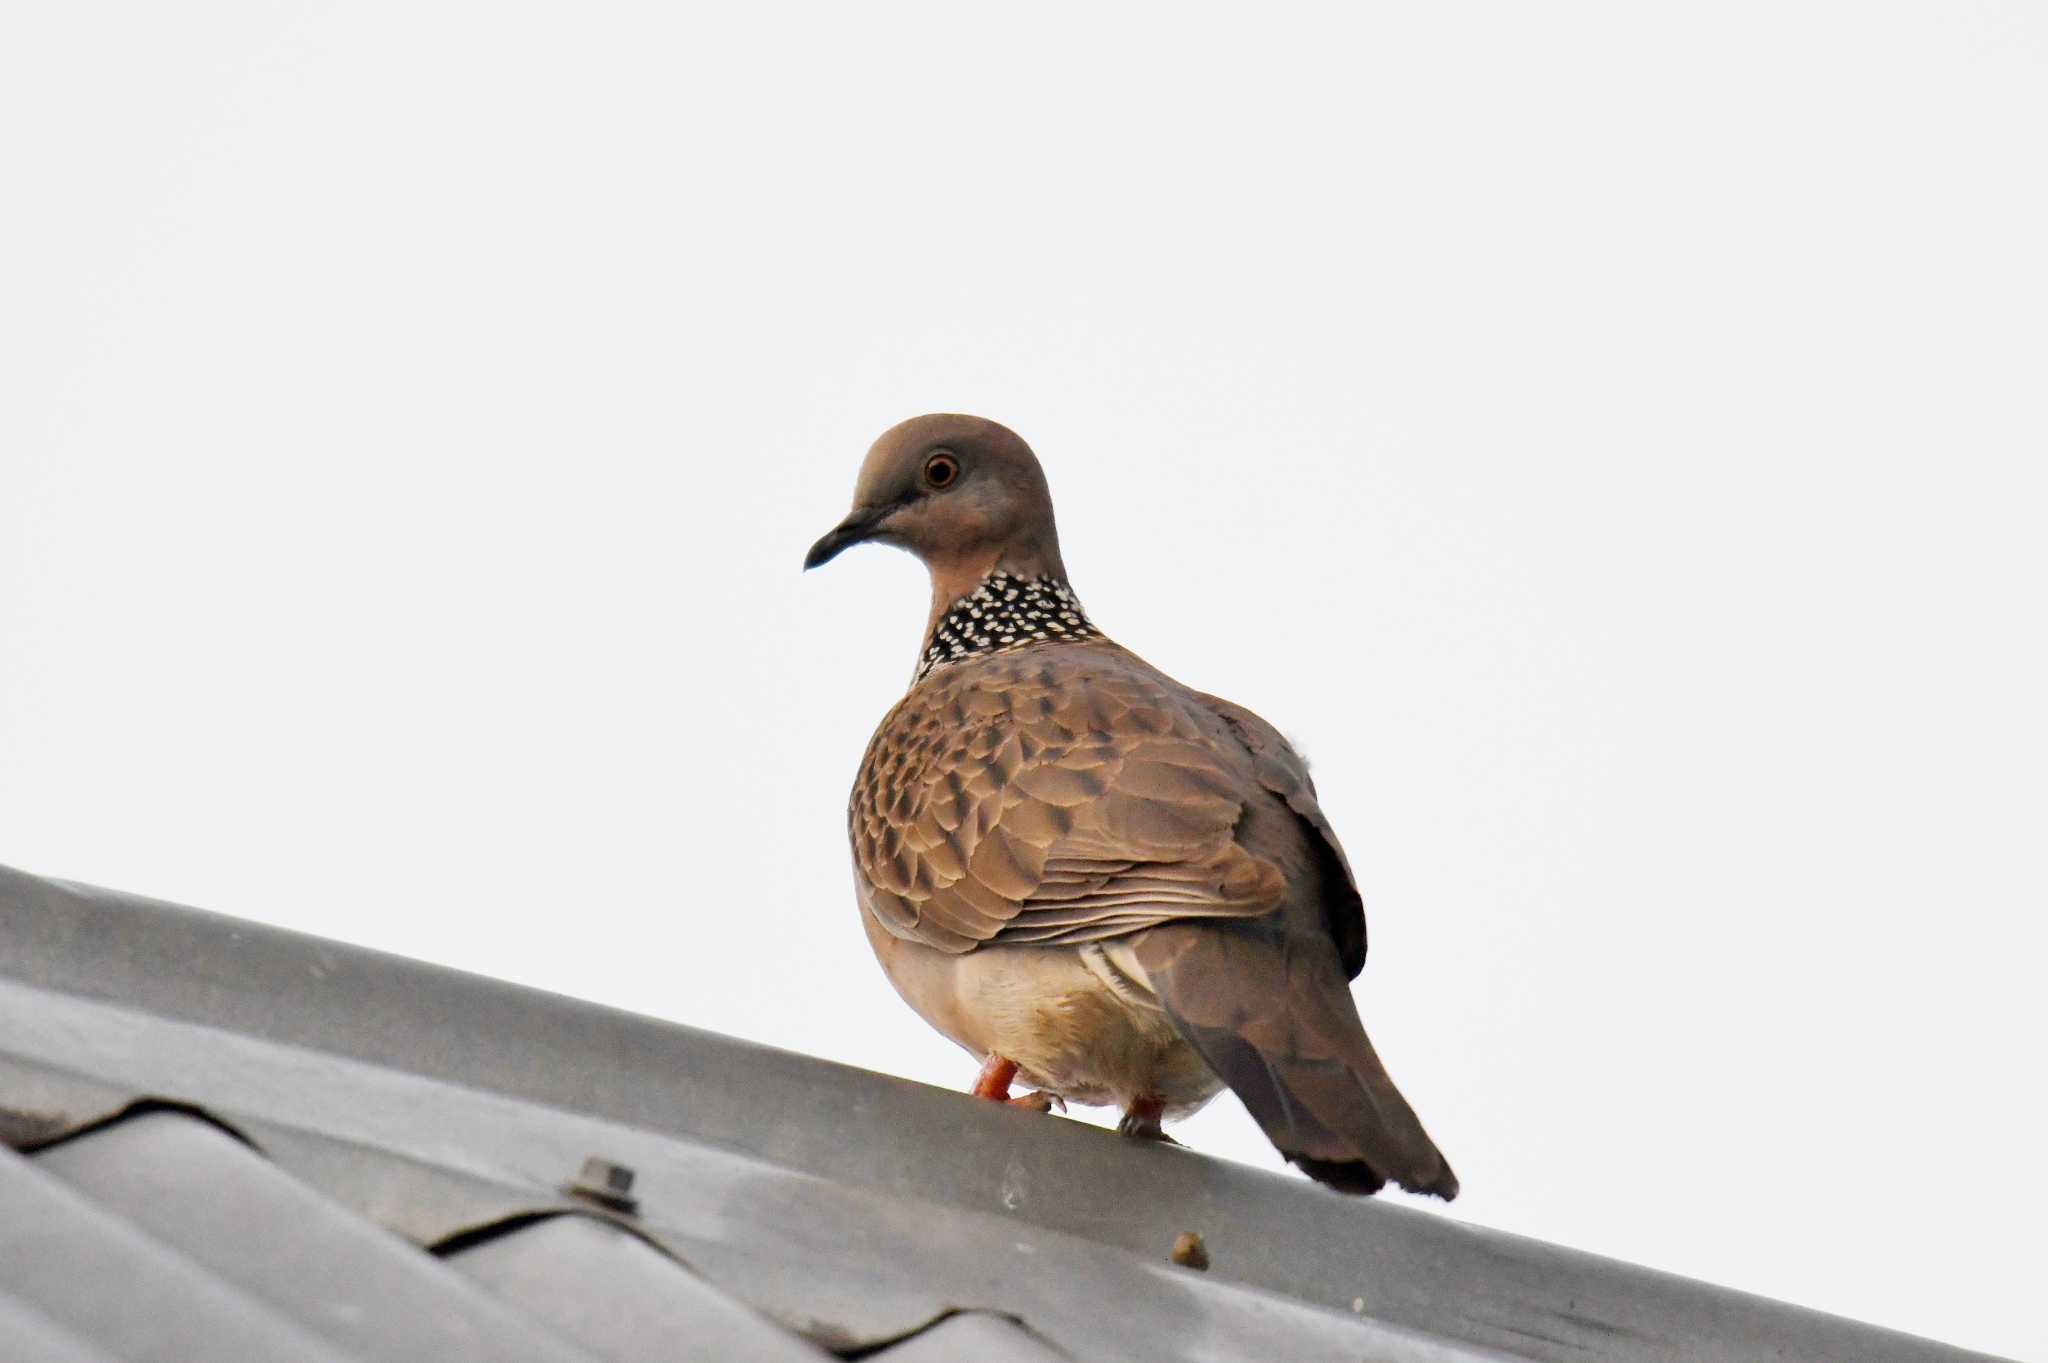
column 962, row 493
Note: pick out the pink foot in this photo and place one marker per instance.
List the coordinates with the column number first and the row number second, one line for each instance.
column 993, row 1083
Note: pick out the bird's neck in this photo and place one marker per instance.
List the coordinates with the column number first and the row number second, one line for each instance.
column 1004, row 610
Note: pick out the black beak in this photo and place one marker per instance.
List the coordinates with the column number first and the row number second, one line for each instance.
column 858, row 526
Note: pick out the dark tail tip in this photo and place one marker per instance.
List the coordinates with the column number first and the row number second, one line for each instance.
column 1361, row 1179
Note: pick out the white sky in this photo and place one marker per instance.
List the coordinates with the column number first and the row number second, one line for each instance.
column 1611, row 440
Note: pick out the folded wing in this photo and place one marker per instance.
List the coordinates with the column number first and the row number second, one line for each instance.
column 1054, row 796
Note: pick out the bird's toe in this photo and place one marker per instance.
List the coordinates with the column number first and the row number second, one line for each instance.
column 1142, row 1121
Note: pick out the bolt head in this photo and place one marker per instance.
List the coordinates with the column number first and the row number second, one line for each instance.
column 606, row 1176
column 604, row 1182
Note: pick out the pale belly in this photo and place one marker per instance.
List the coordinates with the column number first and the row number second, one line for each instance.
column 1078, row 1021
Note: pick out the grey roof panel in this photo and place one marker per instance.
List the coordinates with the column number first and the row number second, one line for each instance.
column 96, row 1276
column 845, row 1265
column 189, row 1183
column 853, row 1207
column 32, row 1337
column 620, row 1298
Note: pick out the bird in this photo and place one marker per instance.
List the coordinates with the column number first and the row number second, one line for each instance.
column 1103, row 884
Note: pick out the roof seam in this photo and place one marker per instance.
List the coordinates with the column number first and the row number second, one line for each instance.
column 140, row 1107
column 470, row 1237
column 881, row 1347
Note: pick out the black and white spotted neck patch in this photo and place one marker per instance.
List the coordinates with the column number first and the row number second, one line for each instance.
column 1004, row 612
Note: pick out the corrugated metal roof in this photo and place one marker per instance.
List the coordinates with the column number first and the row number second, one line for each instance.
column 244, row 1143
column 118, row 1292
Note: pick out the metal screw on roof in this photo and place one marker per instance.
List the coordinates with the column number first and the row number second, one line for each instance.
column 605, row 1183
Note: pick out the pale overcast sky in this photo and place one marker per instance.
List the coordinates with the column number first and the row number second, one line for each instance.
column 1609, row 438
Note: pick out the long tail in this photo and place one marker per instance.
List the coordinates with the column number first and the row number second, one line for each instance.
column 1274, row 1019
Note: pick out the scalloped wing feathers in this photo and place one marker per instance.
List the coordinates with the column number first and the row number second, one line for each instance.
column 1054, row 795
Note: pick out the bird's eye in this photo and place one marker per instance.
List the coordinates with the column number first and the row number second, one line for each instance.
column 941, row 469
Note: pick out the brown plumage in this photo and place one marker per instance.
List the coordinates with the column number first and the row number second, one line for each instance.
column 1072, row 864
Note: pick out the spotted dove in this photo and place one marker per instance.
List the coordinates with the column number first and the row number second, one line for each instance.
column 1099, row 882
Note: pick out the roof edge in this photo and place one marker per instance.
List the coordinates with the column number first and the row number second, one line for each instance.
column 887, row 1134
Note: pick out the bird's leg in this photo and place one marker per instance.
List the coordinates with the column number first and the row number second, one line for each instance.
column 993, row 1083
column 994, row 1079
column 1141, row 1121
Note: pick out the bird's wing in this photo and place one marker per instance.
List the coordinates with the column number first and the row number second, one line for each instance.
column 1283, row 771
column 1053, row 795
